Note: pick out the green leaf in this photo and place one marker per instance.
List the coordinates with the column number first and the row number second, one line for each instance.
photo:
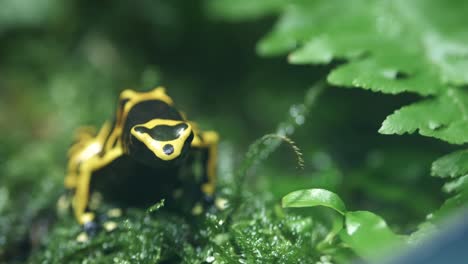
column 444, row 117
column 370, row 74
column 452, row 165
column 406, row 36
column 368, row 235
column 314, row 197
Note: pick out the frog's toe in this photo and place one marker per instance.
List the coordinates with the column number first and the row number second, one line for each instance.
column 197, row 209
column 89, row 226
column 82, row 237
column 110, row 226
column 114, row 213
column 221, row 203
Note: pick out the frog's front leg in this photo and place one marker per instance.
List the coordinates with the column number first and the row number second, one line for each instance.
column 208, row 143
column 83, row 214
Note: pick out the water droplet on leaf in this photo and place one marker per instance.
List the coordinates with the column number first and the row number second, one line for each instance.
column 433, row 125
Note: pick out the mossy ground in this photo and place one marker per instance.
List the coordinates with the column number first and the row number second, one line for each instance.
column 259, row 231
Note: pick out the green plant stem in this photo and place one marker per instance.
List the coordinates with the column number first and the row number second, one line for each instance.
column 262, row 148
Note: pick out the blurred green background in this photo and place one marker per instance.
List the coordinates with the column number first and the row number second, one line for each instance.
column 63, row 64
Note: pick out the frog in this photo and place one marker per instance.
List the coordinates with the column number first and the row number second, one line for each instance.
column 146, row 153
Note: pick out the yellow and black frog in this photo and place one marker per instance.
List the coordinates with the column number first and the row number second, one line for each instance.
column 149, row 152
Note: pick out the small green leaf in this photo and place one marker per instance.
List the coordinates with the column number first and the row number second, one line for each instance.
column 314, row 197
column 444, row 117
column 315, row 52
column 457, row 185
column 452, row 165
column 379, row 76
column 155, row 207
column 368, row 235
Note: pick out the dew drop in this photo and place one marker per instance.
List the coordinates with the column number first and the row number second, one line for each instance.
column 389, row 73
column 433, row 125
column 300, row 120
column 393, row 74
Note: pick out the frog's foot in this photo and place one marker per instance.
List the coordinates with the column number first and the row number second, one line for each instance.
column 114, row 213
column 110, row 226
column 90, row 226
column 197, row 209
column 209, row 200
column 221, row 203
column 206, row 204
column 107, row 220
column 211, row 203
column 89, row 230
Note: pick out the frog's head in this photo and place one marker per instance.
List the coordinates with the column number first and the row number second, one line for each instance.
column 164, row 140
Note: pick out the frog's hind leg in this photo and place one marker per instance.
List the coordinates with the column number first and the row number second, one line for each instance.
column 81, row 199
column 83, row 214
column 86, row 156
column 87, row 144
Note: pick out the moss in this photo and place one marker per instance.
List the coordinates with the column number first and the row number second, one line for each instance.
column 256, row 233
